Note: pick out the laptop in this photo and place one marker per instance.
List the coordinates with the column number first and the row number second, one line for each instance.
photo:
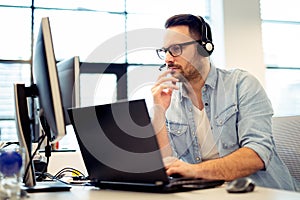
column 120, row 150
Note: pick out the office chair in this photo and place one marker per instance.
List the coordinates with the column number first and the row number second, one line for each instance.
column 286, row 133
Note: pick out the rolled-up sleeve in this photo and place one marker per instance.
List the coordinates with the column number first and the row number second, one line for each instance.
column 255, row 118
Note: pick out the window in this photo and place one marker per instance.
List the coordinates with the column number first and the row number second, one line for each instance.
column 281, row 30
column 87, row 29
column 9, row 74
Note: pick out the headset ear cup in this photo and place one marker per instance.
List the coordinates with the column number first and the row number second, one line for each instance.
column 209, row 46
column 205, row 48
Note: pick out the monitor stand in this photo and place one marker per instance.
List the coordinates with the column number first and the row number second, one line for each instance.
column 25, row 127
column 47, row 186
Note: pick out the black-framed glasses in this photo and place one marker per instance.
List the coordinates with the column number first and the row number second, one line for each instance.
column 174, row 49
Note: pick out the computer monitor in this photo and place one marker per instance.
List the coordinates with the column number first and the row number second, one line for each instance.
column 46, row 88
column 47, row 82
column 68, row 74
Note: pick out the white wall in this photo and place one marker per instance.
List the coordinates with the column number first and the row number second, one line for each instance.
column 236, row 28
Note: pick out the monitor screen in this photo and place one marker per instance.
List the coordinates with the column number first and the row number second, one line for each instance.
column 68, row 74
column 47, row 82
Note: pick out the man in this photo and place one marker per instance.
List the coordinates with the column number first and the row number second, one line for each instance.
column 217, row 123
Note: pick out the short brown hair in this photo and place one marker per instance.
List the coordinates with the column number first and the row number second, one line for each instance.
column 195, row 24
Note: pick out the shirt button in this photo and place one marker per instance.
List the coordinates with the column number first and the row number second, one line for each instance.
column 193, row 133
column 206, row 104
column 190, row 109
column 197, row 158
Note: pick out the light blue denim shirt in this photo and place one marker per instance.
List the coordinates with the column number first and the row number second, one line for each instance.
column 240, row 115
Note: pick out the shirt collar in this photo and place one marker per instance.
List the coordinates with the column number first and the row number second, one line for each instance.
column 211, row 79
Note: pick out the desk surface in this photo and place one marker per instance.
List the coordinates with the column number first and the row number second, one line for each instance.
column 87, row 193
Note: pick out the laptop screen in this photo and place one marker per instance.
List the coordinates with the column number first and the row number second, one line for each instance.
column 118, row 143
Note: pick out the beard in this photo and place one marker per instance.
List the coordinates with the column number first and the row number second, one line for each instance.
column 188, row 74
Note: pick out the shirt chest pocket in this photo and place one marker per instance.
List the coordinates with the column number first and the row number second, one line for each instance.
column 177, row 129
column 180, row 140
column 225, row 125
column 225, row 115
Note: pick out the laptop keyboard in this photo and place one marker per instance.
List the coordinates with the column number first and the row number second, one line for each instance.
column 188, row 182
column 183, row 181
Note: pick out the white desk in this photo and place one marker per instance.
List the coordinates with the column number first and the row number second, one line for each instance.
column 86, row 193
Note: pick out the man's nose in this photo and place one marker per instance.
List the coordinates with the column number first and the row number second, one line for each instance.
column 169, row 57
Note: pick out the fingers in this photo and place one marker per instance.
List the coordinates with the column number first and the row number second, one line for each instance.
column 173, row 170
column 166, row 88
column 171, row 86
column 164, row 74
column 182, row 168
column 175, row 167
column 162, row 78
column 163, row 88
column 165, row 83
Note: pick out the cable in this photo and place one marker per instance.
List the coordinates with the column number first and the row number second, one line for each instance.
column 6, row 144
column 51, row 177
column 47, row 155
column 59, row 175
column 69, row 169
column 40, row 142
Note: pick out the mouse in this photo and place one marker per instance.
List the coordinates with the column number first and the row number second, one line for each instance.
column 241, row 185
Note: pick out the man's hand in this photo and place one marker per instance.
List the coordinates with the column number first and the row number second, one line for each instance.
column 176, row 166
column 163, row 88
column 243, row 162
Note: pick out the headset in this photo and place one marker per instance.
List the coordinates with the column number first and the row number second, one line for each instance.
column 206, row 47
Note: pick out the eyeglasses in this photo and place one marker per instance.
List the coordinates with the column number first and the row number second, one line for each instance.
column 175, row 49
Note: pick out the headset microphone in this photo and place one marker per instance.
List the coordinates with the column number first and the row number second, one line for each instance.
column 161, row 67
